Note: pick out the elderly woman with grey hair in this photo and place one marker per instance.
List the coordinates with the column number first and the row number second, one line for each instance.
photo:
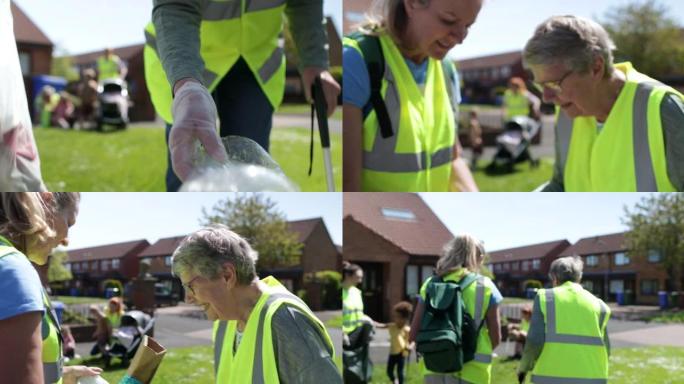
column 568, row 324
column 617, row 129
column 262, row 332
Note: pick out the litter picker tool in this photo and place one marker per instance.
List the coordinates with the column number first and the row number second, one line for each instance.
column 320, row 108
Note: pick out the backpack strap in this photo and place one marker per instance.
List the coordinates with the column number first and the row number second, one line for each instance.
column 375, row 64
column 467, row 280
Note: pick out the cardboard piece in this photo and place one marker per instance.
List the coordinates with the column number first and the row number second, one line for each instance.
column 146, row 360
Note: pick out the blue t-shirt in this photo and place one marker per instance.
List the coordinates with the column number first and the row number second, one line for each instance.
column 20, row 287
column 356, row 81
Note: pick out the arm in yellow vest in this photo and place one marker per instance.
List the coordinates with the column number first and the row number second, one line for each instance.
column 352, row 147
column 461, row 178
column 21, row 349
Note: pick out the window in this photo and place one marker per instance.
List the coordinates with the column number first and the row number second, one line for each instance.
column 167, row 261
column 399, row 214
column 526, row 265
column 25, row 63
column 617, row 286
column 68, row 266
column 621, row 258
column 425, row 272
column 412, row 280
column 93, row 266
column 115, row 263
column 592, row 260
column 84, row 265
column 588, row 285
column 649, row 287
column 77, row 267
column 654, row 256
column 515, row 265
column 535, row 264
column 104, row 265
column 506, row 71
column 506, row 266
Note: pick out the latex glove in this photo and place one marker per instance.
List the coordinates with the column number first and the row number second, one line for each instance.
column 71, row 374
column 331, row 89
column 194, row 118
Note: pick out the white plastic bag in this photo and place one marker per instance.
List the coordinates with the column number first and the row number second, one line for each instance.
column 19, row 162
column 92, row 380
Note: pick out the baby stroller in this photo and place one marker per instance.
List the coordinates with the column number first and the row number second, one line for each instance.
column 113, row 104
column 127, row 338
column 513, row 145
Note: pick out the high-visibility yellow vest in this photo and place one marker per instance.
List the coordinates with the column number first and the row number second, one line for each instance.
column 525, row 325
column 229, row 30
column 516, row 104
column 418, row 156
column 53, row 361
column 255, row 360
column 576, row 323
column 628, row 154
column 476, row 297
column 108, row 68
column 114, row 319
column 352, row 309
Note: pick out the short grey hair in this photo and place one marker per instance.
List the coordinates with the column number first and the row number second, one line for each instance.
column 571, row 40
column 567, row 269
column 206, row 250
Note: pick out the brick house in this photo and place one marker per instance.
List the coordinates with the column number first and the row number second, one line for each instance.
column 35, row 50
column 91, row 266
column 318, row 253
column 513, row 266
column 609, row 268
column 396, row 238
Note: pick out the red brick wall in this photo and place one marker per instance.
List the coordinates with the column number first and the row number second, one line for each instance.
column 363, row 245
column 319, row 252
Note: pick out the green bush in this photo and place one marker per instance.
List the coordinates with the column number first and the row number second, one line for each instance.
column 331, row 286
column 533, row 284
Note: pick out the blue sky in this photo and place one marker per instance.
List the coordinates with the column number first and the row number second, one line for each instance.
column 112, row 23
column 106, row 218
column 506, row 25
column 506, row 220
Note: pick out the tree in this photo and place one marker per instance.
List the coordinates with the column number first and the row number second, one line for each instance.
column 63, row 65
column 656, row 223
column 645, row 35
column 257, row 219
column 56, row 270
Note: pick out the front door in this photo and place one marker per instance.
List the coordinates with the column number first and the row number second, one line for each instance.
column 372, row 290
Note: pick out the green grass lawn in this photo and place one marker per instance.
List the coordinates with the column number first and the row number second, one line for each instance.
column 305, row 109
column 627, row 365
column 80, row 300
column 516, row 300
column 668, row 317
column 135, row 159
column 523, row 179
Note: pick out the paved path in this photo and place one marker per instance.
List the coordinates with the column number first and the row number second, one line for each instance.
column 186, row 326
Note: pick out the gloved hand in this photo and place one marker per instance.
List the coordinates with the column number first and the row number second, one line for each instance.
column 331, row 89
column 194, row 118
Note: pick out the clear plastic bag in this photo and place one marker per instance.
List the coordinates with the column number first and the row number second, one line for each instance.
column 249, row 169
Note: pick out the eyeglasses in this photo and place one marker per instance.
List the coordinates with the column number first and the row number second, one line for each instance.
column 555, row 86
column 188, row 285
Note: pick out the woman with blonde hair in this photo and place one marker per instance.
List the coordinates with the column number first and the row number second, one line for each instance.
column 106, row 320
column 31, row 225
column 401, row 95
column 462, row 257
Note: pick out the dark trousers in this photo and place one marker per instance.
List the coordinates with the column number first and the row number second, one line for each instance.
column 397, row 360
column 243, row 109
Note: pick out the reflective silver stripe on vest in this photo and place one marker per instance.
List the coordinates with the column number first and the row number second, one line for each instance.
column 271, row 65
column 383, row 157
column 553, row 336
column 537, row 379
column 643, row 167
column 479, row 300
column 151, row 40
column 483, row 358
column 52, row 372
column 257, row 369
column 260, row 5
column 218, row 344
column 221, row 10
column 563, row 133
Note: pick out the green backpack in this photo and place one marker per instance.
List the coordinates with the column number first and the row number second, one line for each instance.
column 447, row 337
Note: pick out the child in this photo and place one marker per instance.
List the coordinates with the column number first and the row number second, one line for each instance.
column 475, row 137
column 518, row 332
column 399, row 344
